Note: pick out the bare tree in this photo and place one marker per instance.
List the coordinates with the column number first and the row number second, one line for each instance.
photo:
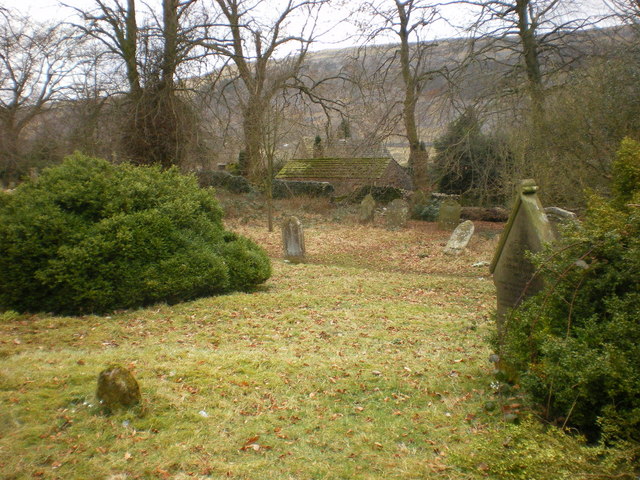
column 263, row 55
column 157, row 122
column 626, row 10
column 36, row 61
column 408, row 22
column 533, row 37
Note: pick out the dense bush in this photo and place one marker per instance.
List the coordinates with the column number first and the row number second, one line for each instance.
column 89, row 236
column 577, row 343
column 626, row 172
column 222, row 179
column 290, row 188
column 470, row 163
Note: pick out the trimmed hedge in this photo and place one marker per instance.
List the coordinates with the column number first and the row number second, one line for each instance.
column 222, row 179
column 89, row 236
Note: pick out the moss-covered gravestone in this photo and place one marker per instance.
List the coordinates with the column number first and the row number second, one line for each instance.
column 449, row 215
column 527, row 230
column 397, row 214
column 367, row 209
column 293, row 240
column 117, row 388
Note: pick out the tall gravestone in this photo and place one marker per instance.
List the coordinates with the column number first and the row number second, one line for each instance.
column 449, row 215
column 367, row 209
column 397, row 214
column 293, row 240
column 527, row 230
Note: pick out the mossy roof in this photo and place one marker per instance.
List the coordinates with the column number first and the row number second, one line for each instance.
column 335, row 168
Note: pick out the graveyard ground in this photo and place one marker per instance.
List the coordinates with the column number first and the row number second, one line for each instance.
column 367, row 362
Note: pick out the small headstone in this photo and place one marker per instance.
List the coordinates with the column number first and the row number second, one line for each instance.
column 397, row 214
column 367, row 209
column 460, row 238
column 293, row 240
column 527, row 230
column 449, row 215
column 117, row 388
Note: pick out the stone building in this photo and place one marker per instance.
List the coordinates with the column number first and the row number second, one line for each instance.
column 347, row 174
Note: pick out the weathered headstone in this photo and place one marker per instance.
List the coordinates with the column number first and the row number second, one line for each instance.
column 367, row 209
column 117, row 388
column 449, row 215
column 397, row 214
column 293, row 240
column 460, row 238
column 527, row 230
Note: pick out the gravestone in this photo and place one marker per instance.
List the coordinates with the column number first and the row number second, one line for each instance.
column 449, row 215
column 367, row 209
column 460, row 238
column 117, row 388
column 397, row 214
column 293, row 240
column 527, row 230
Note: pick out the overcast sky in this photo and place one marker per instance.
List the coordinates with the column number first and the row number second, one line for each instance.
column 342, row 33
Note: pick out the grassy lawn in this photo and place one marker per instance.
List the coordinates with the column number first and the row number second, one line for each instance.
column 368, row 362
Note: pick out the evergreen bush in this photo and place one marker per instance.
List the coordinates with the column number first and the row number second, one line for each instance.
column 577, row 343
column 89, row 236
column 626, row 172
column 470, row 163
column 226, row 180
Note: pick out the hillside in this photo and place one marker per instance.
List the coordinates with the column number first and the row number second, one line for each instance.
column 370, row 98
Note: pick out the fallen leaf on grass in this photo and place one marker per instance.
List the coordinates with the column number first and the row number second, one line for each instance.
column 437, row 467
column 251, row 440
column 251, row 444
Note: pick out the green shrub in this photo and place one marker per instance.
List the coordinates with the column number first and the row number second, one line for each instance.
column 89, row 236
column 226, row 180
column 626, row 172
column 577, row 343
column 470, row 163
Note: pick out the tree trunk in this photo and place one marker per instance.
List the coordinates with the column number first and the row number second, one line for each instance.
column 530, row 53
column 417, row 158
column 129, row 49
column 170, row 34
column 253, row 132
